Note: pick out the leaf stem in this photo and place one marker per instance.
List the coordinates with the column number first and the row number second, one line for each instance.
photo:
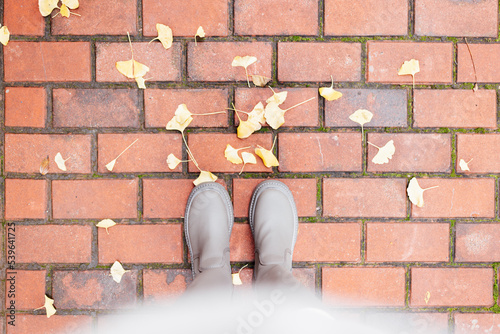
column 274, row 142
column 470, row 161
column 248, row 82
column 430, row 188
column 189, row 151
column 301, row 103
column 210, row 113
column 245, row 112
column 243, row 148
column 125, row 149
column 130, row 42
column 373, row 145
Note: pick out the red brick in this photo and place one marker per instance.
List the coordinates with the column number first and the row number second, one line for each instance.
column 242, row 244
column 185, row 17
column 213, row 159
column 165, row 198
column 386, row 57
column 482, row 148
column 95, row 108
column 161, row 104
column 93, row 290
column 94, row 199
column 454, row 108
column 303, row 191
column 53, row 243
column 457, row 198
column 24, row 152
column 271, row 17
column 415, row 152
column 466, row 323
column 99, row 18
column 23, row 18
column 165, row 284
column 57, row 324
column 366, row 17
column 363, row 197
column 408, row 242
column 152, row 244
column 451, row 287
column 486, row 57
column 27, row 290
column 364, row 286
column 221, row 55
column 456, row 18
column 25, row 106
column 47, row 61
column 314, row 152
column 477, row 243
column 328, row 242
column 306, row 276
column 389, row 107
column 318, row 61
column 304, row 115
column 148, row 154
column 164, row 65
column 25, row 199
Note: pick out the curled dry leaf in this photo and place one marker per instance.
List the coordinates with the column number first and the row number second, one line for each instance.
column 60, row 162
column 205, row 176
column 49, row 307
column 410, row 67
column 199, row 33
column 267, row 157
column 47, row 6
column 236, row 276
column 260, row 81
column 244, row 62
column 44, row 166
column 248, row 158
column 384, row 153
column 4, row 35
column 416, row 193
column 464, row 166
column 117, row 271
column 173, row 161
column 165, row 35
column 106, row 223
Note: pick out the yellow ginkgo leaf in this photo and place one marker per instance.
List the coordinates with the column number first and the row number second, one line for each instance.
column 277, row 98
column 410, row 67
column 174, row 125
column 64, row 11
column 47, row 6
column 260, row 80
column 106, row 223
column 384, row 153
column 275, row 116
column 361, row 116
column 464, row 166
column 173, row 161
column 117, row 271
column 416, row 193
column 165, row 35
column 4, row 35
column 257, row 115
column 231, row 155
column 49, row 307
column 246, row 128
column 141, row 82
column 329, row 93
column 244, row 62
column 60, row 162
column 199, row 33
column 248, row 158
column 205, row 176
column 267, row 157
column 182, row 114
column 132, row 69
column 71, row 4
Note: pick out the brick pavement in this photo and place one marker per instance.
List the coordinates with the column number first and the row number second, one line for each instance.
column 360, row 240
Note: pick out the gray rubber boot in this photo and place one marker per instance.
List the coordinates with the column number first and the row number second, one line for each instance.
column 207, row 227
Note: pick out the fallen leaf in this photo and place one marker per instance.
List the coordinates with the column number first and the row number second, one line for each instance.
column 61, row 163
column 329, row 93
column 44, row 166
column 246, row 128
column 132, row 69
column 274, row 115
column 410, row 67
column 244, row 62
column 277, row 98
column 71, row 4
column 49, row 307
column 181, row 119
column 361, row 116
column 111, row 164
column 257, row 115
column 427, row 297
column 64, row 11
column 106, row 223
column 47, row 6
column 4, row 35
column 173, row 161
column 141, row 82
column 165, row 35
column 205, row 176
column 384, row 153
column 416, row 193
column 476, row 88
column 260, row 80
column 199, row 33
column 464, row 166
column 248, row 158
column 267, row 157
column 236, row 276
column 117, row 271
column 231, row 154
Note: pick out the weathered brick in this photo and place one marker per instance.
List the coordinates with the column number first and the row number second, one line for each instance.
column 213, row 159
column 185, row 17
column 161, row 104
column 456, row 18
column 47, row 61
column 455, row 108
column 164, row 65
column 93, row 290
column 62, row 324
column 25, row 199
column 366, row 17
column 164, row 198
column 25, row 106
column 23, row 18
column 242, row 244
column 328, row 242
column 318, row 61
column 95, row 108
column 165, row 284
column 24, row 152
column 99, row 18
column 148, row 154
column 408, row 242
column 466, row 323
column 94, row 199
column 451, row 287
column 363, row 197
column 477, row 243
column 221, row 55
column 271, row 17
column 314, row 152
column 364, row 286
column 457, row 198
column 482, row 148
column 386, row 57
column 486, row 57
column 53, row 243
column 304, row 115
column 415, row 152
column 26, row 290
column 303, row 191
column 152, row 244
column 389, row 107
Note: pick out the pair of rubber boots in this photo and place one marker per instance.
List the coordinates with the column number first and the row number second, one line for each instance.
column 273, row 220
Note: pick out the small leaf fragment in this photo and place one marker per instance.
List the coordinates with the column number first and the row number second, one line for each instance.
column 361, row 116
column 165, row 35
column 173, row 161
column 141, row 82
column 464, row 166
column 49, row 307
column 199, row 33
column 267, row 157
column 47, row 6
column 416, row 193
column 106, row 223
column 236, row 276
column 64, row 11
column 260, row 80
column 427, row 297
column 384, row 153
column 61, row 163
column 44, row 166
column 231, row 155
column 117, row 271
column 4, row 35
column 205, row 176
